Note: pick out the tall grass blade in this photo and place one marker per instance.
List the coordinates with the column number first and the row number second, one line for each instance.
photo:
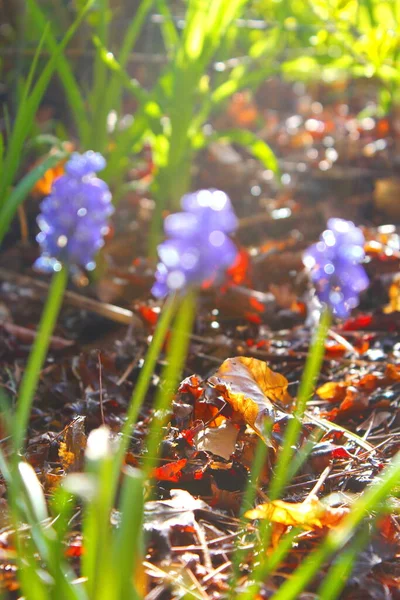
column 370, row 501
column 75, row 99
column 112, row 93
column 249, row 141
column 169, row 31
column 26, row 112
column 310, row 373
column 20, row 192
column 128, row 544
column 175, row 359
column 38, row 355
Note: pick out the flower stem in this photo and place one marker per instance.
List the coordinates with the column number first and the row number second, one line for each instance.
column 143, row 383
column 310, row 374
column 38, row 355
column 171, row 374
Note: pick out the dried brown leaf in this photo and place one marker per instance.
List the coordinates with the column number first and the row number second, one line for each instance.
column 252, row 389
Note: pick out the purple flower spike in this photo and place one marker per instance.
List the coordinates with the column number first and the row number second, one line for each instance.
column 74, row 218
column 198, row 247
column 334, row 265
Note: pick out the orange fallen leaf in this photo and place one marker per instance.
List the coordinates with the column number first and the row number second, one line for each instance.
column 394, row 296
column 252, row 389
column 392, row 373
column 333, row 391
column 309, row 515
column 171, row 471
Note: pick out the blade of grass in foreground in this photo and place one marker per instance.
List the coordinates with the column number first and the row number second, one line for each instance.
column 175, row 359
column 249, row 495
column 310, row 374
column 335, row 540
column 336, row 578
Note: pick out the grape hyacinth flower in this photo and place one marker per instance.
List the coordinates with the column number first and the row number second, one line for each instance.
column 334, row 265
column 74, row 217
column 198, row 247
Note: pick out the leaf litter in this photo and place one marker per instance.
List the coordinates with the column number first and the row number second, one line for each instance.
column 241, row 377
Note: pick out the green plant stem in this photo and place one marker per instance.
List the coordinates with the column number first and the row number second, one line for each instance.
column 175, row 359
column 338, row 537
column 38, row 355
column 310, row 374
column 249, row 495
column 266, row 567
column 143, row 383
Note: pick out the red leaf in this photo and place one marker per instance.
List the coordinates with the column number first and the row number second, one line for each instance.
column 361, row 322
column 239, row 272
column 150, row 315
column 171, row 471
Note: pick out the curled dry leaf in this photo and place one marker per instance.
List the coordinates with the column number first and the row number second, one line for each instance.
column 309, row 515
column 220, row 441
column 252, row 389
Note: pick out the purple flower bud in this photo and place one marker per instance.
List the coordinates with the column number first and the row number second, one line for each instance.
column 74, row 218
column 334, row 265
column 198, row 247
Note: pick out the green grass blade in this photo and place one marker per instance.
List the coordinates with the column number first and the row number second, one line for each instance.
column 248, row 140
column 249, row 496
column 38, row 355
column 143, row 383
column 98, row 134
column 133, row 32
column 112, row 92
column 370, row 501
column 1, row 151
column 33, row 491
column 27, row 87
column 26, row 112
column 75, row 99
column 132, row 85
column 266, row 567
column 23, row 188
column 97, row 533
column 335, row 580
column 310, row 373
column 169, row 31
column 128, row 543
column 176, row 355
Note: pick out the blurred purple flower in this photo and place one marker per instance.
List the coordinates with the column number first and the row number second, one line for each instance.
column 334, row 265
column 74, row 218
column 198, row 247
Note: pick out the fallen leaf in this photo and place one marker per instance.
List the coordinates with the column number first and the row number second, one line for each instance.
column 162, row 518
column 333, row 391
column 394, row 296
column 171, row 471
column 309, row 515
column 72, row 448
column 220, row 441
column 251, row 388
